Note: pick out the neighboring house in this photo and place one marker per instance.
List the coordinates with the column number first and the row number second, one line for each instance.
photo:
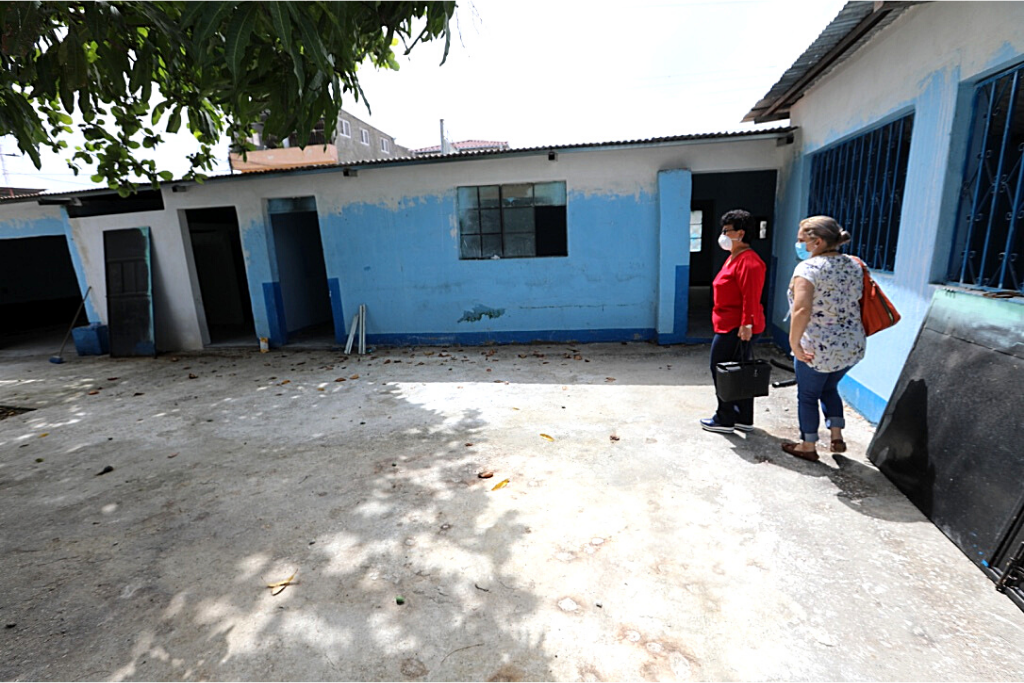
column 464, row 146
column 354, row 140
column 18, row 191
column 510, row 246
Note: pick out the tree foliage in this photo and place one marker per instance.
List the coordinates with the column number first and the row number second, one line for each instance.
column 131, row 68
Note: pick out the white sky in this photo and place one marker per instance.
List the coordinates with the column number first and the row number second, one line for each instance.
column 557, row 72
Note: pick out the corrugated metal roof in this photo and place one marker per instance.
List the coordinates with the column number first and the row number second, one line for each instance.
column 854, row 26
column 777, row 132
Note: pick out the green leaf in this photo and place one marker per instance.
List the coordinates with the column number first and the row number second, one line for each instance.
column 238, row 35
column 174, row 123
column 166, row 176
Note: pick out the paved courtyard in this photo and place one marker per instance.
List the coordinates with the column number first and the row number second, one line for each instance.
column 146, row 504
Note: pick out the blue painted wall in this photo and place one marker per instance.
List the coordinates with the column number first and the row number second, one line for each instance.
column 675, row 190
column 402, row 261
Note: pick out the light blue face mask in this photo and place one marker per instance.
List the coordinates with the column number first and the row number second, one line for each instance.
column 801, row 251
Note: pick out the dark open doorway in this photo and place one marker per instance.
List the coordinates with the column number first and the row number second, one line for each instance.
column 220, row 269
column 301, row 270
column 38, row 287
column 713, row 195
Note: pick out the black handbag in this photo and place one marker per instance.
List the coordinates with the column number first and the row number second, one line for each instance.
column 740, row 379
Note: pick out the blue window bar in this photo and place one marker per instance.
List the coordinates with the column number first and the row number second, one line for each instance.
column 860, row 183
column 988, row 244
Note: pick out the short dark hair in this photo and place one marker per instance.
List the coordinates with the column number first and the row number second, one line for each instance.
column 740, row 220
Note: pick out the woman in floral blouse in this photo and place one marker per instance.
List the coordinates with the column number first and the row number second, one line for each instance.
column 825, row 329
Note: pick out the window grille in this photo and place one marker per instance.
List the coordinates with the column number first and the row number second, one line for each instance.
column 512, row 221
column 988, row 246
column 860, row 184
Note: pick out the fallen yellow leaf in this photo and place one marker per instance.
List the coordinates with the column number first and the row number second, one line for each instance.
column 500, row 485
column 44, row 434
column 545, row 436
column 281, row 585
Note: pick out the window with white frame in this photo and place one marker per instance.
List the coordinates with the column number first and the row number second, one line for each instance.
column 696, row 230
column 988, row 246
column 364, row 136
column 385, row 145
column 860, row 183
column 346, row 128
column 519, row 220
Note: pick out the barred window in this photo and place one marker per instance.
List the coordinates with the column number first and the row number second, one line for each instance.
column 512, row 221
column 988, row 247
column 860, row 184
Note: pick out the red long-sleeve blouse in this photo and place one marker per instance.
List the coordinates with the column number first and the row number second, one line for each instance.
column 737, row 293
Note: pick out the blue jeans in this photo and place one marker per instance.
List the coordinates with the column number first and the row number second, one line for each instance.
column 812, row 388
column 726, row 346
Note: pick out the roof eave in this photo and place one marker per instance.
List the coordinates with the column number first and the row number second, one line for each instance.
column 776, row 105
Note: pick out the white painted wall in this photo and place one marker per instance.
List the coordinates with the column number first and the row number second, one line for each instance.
column 895, row 68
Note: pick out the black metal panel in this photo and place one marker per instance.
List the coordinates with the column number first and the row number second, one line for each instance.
column 947, row 438
column 129, row 292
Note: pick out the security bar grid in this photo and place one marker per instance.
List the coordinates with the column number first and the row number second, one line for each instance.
column 860, row 183
column 989, row 245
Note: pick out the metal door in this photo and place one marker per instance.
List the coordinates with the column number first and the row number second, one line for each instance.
column 129, row 292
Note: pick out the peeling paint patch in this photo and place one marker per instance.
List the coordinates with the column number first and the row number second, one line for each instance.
column 476, row 314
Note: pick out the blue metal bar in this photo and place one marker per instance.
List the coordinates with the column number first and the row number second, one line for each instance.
column 873, row 198
column 998, row 181
column 892, row 169
column 1015, row 206
column 852, row 222
column 977, row 184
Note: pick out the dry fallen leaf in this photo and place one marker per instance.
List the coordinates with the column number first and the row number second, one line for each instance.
column 281, row 585
column 613, row 437
column 44, row 434
column 609, row 379
column 287, row 381
column 486, row 475
column 192, row 376
column 354, row 377
column 93, row 393
column 500, row 485
column 545, row 436
column 340, row 379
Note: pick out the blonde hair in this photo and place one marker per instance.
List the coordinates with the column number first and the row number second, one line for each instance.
column 826, row 228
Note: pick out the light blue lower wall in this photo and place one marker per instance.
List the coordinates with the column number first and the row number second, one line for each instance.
column 403, row 263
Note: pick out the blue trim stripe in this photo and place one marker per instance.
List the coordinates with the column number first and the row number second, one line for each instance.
column 338, row 311
column 863, row 400
column 681, row 309
column 275, row 313
column 525, row 337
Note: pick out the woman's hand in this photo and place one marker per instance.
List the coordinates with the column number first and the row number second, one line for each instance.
column 802, row 354
column 746, row 332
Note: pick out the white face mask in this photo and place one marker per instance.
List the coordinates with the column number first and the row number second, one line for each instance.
column 725, row 242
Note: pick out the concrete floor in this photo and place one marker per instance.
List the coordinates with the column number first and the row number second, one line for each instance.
column 629, row 545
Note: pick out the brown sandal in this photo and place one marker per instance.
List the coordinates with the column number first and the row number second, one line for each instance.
column 792, row 449
column 838, row 446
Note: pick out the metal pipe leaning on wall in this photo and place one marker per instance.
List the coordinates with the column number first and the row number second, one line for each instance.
column 358, row 326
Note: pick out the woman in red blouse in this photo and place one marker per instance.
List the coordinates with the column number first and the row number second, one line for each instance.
column 736, row 316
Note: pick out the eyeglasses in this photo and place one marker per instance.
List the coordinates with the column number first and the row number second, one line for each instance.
column 725, row 230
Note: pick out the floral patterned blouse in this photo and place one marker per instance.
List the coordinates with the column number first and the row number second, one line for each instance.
column 835, row 333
